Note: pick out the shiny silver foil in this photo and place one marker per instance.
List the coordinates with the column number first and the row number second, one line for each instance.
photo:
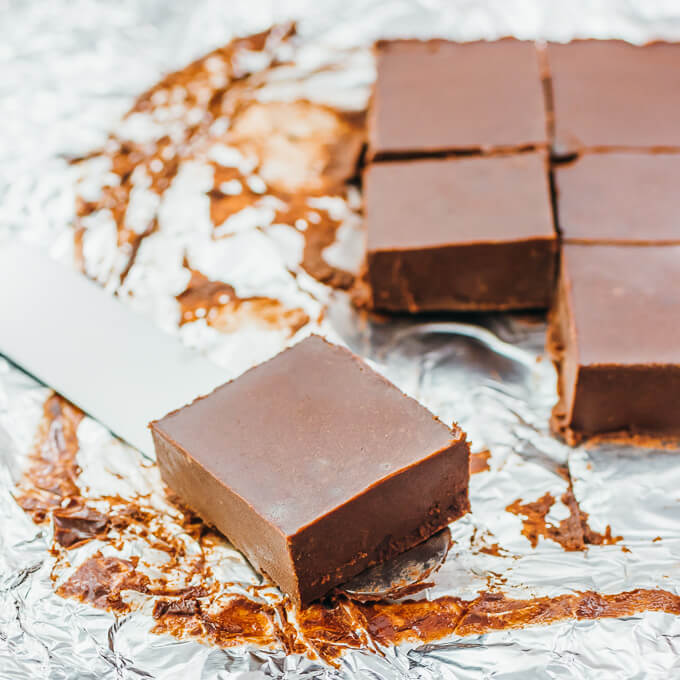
column 69, row 72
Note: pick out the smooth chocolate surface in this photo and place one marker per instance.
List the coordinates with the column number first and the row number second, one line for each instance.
column 624, row 197
column 614, row 334
column 460, row 233
column 314, row 466
column 439, row 96
column 609, row 93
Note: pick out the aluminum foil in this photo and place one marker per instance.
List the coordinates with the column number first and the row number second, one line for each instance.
column 70, row 72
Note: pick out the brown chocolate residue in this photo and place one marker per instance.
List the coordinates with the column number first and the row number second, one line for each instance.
column 238, row 621
column 479, row 462
column 220, row 306
column 134, row 246
column 223, row 205
column 101, row 582
column 329, row 628
column 53, row 472
column 572, row 533
column 495, row 611
column 158, row 161
column 492, row 549
column 300, row 149
column 319, row 233
column 563, row 472
column 78, row 248
column 76, row 523
column 304, row 148
column 668, row 442
column 197, row 79
column 480, row 543
column 203, row 294
column 189, row 602
column 75, row 160
column 422, row 621
column 201, row 86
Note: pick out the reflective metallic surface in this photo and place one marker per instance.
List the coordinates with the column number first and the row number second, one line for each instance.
column 70, row 72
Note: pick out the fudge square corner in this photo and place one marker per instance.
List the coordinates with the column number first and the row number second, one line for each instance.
column 460, row 233
column 609, row 94
column 624, row 197
column 437, row 96
column 614, row 335
column 315, row 467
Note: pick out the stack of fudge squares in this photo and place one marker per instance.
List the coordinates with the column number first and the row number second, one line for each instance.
column 510, row 175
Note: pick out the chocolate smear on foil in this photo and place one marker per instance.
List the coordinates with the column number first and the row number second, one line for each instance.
column 495, row 611
column 480, row 542
column 479, row 462
column 76, row 523
column 189, row 602
column 53, row 471
column 237, row 622
column 101, row 582
column 220, row 306
column 301, row 150
column 572, row 533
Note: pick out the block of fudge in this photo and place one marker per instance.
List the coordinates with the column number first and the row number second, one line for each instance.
column 613, row 334
column 315, row 467
column 619, row 197
column 609, row 93
column 437, row 96
column 471, row 233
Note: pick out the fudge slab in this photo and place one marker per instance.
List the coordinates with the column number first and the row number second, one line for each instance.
column 459, row 234
column 440, row 96
column 619, row 197
column 609, row 93
column 613, row 334
column 315, row 467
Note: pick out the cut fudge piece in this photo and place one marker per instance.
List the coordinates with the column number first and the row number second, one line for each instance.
column 459, row 234
column 609, row 93
column 619, row 198
column 440, row 96
column 613, row 334
column 315, row 467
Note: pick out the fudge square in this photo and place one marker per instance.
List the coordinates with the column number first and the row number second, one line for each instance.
column 613, row 334
column 315, row 467
column 472, row 233
column 609, row 93
column 444, row 96
column 628, row 197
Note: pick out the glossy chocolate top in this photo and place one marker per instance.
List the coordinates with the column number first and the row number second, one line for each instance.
column 624, row 303
column 305, row 432
column 430, row 203
column 611, row 93
column 619, row 197
column 438, row 95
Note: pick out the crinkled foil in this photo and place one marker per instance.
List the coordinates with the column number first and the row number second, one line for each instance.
column 69, row 73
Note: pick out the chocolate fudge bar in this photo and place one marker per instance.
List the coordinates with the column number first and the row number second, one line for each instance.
column 625, row 197
column 315, row 467
column 609, row 93
column 614, row 334
column 438, row 96
column 472, row 233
